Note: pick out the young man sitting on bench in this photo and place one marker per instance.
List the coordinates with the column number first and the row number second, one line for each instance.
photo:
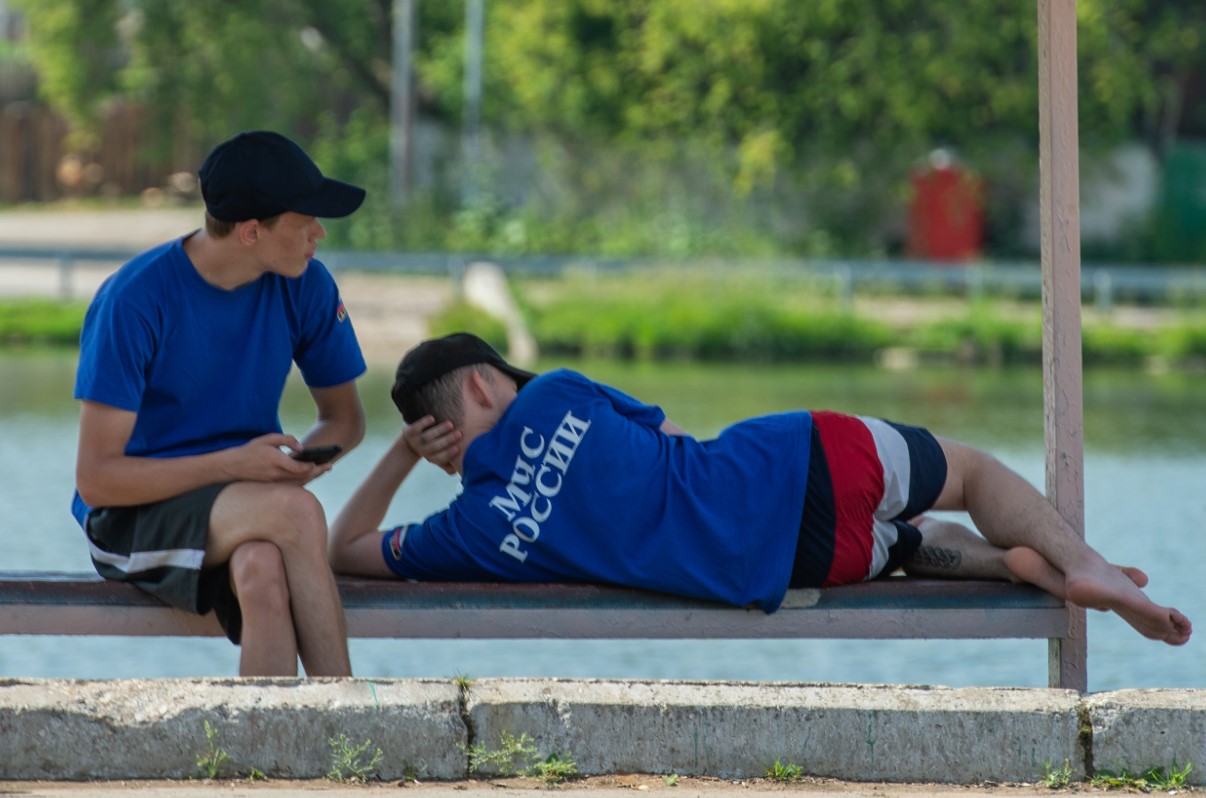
column 568, row 480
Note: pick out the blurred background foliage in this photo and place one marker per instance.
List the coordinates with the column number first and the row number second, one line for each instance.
column 672, row 128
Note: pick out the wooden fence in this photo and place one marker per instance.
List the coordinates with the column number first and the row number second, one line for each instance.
column 36, row 164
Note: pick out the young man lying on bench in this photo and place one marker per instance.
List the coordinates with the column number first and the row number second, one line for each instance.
column 568, row 480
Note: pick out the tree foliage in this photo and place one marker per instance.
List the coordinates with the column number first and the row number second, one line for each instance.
column 838, row 97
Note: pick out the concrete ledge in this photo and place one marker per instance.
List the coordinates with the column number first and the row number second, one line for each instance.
column 146, row 729
column 135, row 729
column 864, row 733
column 1134, row 730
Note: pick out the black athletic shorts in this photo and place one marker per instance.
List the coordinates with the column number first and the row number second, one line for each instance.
column 160, row 548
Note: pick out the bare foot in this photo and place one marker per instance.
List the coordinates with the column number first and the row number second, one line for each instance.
column 1027, row 565
column 1109, row 588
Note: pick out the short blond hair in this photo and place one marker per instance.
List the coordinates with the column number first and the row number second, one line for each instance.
column 217, row 228
column 442, row 398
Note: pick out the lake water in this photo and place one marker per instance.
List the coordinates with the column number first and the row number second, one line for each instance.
column 1145, row 479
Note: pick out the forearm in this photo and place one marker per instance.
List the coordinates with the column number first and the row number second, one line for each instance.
column 106, row 477
column 340, row 418
column 366, row 508
column 347, row 432
column 124, row 481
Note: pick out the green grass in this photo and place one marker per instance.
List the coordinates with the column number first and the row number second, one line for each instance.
column 690, row 316
column 709, row 316
column 1161, row 779
column 735, row 316
column 784, row 772
column 1157, row 778
column 41, row 321
column 460, row 316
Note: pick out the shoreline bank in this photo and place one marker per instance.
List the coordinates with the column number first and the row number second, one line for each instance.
column 282, row 728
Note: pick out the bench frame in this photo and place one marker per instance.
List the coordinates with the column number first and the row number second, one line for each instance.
column 40, row 603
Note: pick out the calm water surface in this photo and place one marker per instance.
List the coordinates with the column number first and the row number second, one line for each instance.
column 1145, row 476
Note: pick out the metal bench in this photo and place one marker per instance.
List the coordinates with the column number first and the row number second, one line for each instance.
column 41, row 603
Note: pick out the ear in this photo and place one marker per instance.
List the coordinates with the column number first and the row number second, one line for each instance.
column 247, row 232
column 478, row 390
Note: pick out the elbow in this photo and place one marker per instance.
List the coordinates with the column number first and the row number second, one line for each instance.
column 91, row 488
column 357, row 432
column 337, row 552
column 89, row 498
column 355, row 554
column 351, row 430
column 335, row 559
column 341, row 564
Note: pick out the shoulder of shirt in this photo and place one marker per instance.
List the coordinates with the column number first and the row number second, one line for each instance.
column 141, row 270
column 168, row 250
column 564, row 374
column 319, row 269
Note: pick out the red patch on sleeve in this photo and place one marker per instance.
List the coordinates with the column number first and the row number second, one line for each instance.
column 395, row 542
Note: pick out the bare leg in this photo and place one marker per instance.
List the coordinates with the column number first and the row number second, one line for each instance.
column 289, row 517
column 269, row 642
column 1010, row 513
column 952, row 551
column 1027, row 565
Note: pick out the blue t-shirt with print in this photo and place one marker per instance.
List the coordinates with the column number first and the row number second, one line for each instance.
column 577, row 483
column 204, row 367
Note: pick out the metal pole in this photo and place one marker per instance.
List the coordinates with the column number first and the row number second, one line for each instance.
column 474, row 36
column 1059, row 207
column 401, row 111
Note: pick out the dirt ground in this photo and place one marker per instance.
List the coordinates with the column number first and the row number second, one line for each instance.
column 617, row 786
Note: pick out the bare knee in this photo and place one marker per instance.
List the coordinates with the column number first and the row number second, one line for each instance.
column 297, row 519
column 966, row 470
column 257, row 571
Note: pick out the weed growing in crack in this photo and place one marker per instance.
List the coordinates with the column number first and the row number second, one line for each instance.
column 554, row 770
column 784, row 772
column 517, row 756
column 1056, row 778
column 347, row 760
column 512, row 755
column 1155, row 778
column 209, row 761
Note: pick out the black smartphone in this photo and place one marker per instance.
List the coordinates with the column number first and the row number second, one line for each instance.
column 318, row 454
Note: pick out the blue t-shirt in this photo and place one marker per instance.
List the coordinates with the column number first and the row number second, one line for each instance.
column 577, row 483
column 203, row 367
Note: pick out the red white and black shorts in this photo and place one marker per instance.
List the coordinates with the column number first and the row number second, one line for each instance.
column 866, row 478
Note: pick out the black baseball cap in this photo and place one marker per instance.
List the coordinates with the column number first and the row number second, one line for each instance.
column 259, row 174
column 436, row 357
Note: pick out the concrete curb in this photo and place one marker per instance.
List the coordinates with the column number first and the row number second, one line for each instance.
column 1157, row 727
column 737, row 730
column 144, row 729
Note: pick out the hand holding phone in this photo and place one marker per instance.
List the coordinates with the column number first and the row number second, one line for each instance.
column 318, row 454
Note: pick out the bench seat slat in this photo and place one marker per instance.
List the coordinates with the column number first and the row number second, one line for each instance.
column 84, row 604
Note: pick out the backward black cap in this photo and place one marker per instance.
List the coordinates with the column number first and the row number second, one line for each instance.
column 259, row 174
column 436, row 357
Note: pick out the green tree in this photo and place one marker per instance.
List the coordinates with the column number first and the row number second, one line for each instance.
column 75, row 48
column 664, row 126
column 205, row 69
